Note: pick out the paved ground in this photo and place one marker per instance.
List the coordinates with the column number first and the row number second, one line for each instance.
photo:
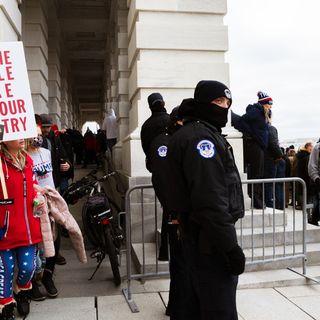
column 278, row 303
column 283, row 294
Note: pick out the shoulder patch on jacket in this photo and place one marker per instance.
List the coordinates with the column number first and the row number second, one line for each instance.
column 206, row 149
column 162, row 151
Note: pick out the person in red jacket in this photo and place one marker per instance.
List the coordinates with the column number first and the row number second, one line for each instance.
column 19, row 229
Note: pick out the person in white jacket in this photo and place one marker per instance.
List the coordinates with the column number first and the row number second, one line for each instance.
column 110, row 127
column 42, row 168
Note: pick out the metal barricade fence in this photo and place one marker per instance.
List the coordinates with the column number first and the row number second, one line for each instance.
column 267, row 235
column 144, row 274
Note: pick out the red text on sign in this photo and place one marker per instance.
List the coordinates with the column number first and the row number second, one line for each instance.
column 5, row 57
column 14, row 124
column 12, row 107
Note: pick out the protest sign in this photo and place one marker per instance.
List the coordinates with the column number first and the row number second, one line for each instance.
column 16, row 108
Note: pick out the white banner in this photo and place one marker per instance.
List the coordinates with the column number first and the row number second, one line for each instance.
column 16, row 108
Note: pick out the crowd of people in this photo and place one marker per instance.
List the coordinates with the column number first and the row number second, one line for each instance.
column 264, row 158
column 34, row 174
column 185, row 150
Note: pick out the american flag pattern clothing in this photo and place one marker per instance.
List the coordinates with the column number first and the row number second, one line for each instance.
column 24, row 258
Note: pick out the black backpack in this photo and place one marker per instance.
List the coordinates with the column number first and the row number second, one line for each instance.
column 98, row 208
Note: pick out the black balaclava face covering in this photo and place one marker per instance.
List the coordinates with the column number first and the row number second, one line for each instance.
column 205, row 92
column 213, row 114
column 158, row 107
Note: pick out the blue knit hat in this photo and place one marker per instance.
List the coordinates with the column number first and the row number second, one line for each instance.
column 264, row 98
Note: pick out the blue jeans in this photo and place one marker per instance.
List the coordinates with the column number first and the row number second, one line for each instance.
column 274, row 169
column 280, row 173
column 64, row 184
column 40, row 261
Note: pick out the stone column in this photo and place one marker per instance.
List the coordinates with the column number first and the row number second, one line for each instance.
column 65, row 102
column 122, row 79
column 10, row 20
column 169, row 54
column 68, row 120
column 54, row 65
column 112, row 58
column 35, row 38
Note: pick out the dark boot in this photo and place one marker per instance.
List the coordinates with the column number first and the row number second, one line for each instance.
column 23, row 302
column 60, row 260
column 49, row 284
column 38, row 292
column 8, row 312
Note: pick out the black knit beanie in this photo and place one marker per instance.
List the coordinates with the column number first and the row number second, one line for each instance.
column 208, row 90
column 154, row 100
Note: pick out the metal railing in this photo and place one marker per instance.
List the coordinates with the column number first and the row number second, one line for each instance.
column 277, row 238
column 144, row 274
column 267, row 235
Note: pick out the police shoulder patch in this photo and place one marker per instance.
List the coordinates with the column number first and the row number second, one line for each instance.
column 162, row 151
column 206, row 149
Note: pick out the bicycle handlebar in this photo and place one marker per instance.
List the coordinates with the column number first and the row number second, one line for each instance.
column 92, row 183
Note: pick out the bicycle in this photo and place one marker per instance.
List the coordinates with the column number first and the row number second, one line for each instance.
column 98, row 218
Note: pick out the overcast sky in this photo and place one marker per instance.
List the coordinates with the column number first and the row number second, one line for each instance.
column 274, row 46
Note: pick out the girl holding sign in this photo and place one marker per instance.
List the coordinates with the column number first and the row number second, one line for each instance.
column 19, row 229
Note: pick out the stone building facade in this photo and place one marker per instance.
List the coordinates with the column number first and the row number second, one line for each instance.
column 85, row 56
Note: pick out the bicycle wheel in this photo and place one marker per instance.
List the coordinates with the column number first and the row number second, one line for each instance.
column 113, row 255
column 90, row 230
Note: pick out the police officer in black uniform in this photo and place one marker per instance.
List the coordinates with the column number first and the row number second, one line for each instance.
column 206, row 193
column 155, row 124
column 159, row 167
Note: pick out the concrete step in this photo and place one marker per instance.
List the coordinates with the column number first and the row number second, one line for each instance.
column 269, row 236
column 278, row 278
column 254, row 257
column 258, row 218
column 287, row 234
column 248, row 280
column 271, row 228
column 151, row 262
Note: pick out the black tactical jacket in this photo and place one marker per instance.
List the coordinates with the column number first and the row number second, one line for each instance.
column 206, row 191
column 152, row 127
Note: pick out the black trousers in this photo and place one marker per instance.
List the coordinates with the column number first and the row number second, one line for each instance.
column 210, row 292
column 177, row 266
column 51, row 262
column 178, row 287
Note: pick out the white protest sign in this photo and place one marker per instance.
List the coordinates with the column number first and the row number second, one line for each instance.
column 16, row 108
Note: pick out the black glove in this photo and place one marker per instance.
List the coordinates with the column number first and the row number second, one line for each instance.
column 236, row 260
